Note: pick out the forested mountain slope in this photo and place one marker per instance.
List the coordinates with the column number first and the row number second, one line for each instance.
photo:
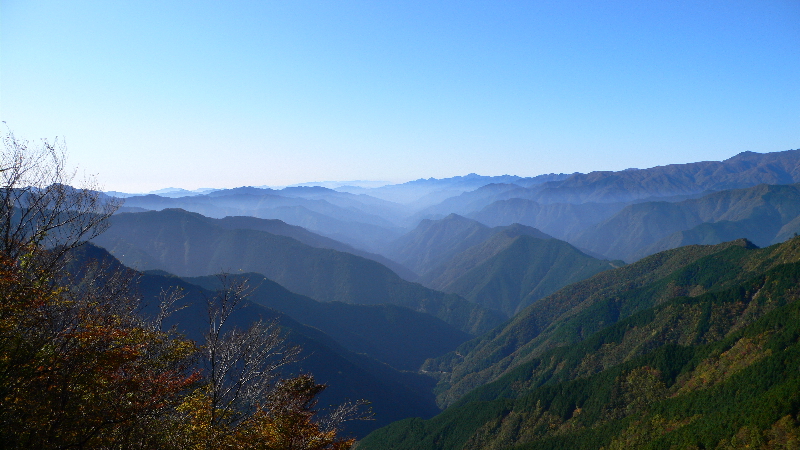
column 392, row 334
column 189, row 244
column 564, row 221
column 434, row 241
column 757, row 213
column 350, row 376
column 281, row 228
column 743, row 170
column 512, row 270
column 707, row 357
column 581, row 309
column 360, row 227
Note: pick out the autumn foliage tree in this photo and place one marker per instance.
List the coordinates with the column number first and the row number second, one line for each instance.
column 81, row 367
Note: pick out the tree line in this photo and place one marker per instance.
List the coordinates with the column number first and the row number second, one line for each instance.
column 82, row 367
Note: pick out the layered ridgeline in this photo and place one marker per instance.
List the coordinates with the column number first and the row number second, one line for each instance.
column 188, row 244
column 502, row 268
column 359, row 220
column 392, row 394
column 577, row 311
column 392, row 334
column 700, row 351
column 764, row 214
column 674, row 181
column 560, row 205
column 564, row 221
column 425, row 192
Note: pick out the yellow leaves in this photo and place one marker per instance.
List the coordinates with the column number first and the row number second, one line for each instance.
column 642, row 432
column 270, row 427
column 782, row 435
column 717, row 368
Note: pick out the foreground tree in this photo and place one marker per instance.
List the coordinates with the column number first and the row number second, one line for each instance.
column 42, row 216
column 80, row 367
column 243, row 403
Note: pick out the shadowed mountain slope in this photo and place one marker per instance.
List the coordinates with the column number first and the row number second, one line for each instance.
column 758, row 213
column 564, row 221
column 501, row 268
column 281, row 228
column 395, row 335
column 510, row 271
column 581, row 309
column 350, row 376
column 713, row 370
column 189, row 244
column 434, row 242
column 353, row 219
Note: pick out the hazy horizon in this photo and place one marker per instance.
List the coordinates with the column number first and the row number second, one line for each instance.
column 196, row 94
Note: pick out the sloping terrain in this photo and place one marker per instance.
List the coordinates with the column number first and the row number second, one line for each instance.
column 434, row 241
column 758, row 213
column 581, row 309
column 188, row 244
column 398, row 336
column 743, row 170
column 564, row 221
column 502, row 268
column 512, row 270
column 350, row 376
column 717, row 368
column 281, row 228
column 358, row 220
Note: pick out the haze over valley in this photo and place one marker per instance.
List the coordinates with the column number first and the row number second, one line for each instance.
column 463, row 282
column 377, row 225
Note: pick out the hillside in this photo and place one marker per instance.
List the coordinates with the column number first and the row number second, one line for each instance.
column 357, row 226
column 757, row 213
column 512, row 270
column 188, row 244
column 393, row 394
column 564, row 221
column 581, row 309
column 281, row 228
column 433, row 242
column 717, row 368
column 743, row 170
column 672, row 182
column 398, row 336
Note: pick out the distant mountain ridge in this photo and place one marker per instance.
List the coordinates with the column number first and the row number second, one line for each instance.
column 398, row 336
column 743, row 170
column 189, row 244
column 711, row 369
column 350, row 376
column 504, row 268
column 765, row 214
column 562, row 205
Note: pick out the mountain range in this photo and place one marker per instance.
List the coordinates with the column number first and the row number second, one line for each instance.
column 392, row 394
column 690, row 348
column 189, row 244
column 644, row 308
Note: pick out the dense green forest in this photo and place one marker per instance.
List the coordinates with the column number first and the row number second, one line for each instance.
column 125, row 328
column 84, row 364
column 718, row 369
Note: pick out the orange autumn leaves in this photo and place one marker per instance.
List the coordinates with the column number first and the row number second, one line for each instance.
column 80, row 368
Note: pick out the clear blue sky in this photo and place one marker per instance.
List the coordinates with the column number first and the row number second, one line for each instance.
column 223, row 93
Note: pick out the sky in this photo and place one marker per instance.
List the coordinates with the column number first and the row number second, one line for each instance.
column 155, row 94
